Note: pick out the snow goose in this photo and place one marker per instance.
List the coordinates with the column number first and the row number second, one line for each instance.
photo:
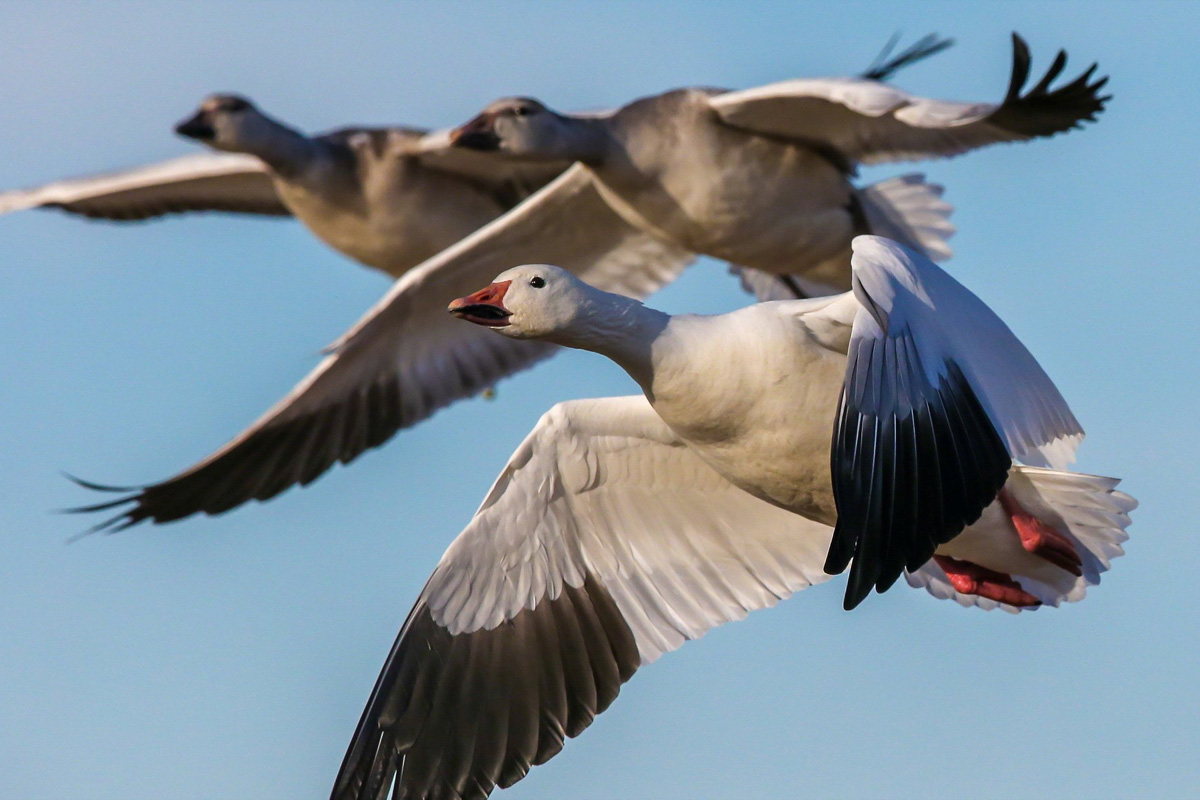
column 926, row 423
column 622, row 527
column 661, row 179
column 404, row 359
column 760, row 177
column 388, row 198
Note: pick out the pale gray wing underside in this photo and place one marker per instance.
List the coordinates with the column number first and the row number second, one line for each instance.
column 201, row 182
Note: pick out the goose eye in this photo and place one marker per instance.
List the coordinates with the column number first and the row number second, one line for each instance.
column 537, row 282
column 521, row 111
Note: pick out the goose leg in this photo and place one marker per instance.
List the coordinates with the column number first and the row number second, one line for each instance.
column 1040, row 538
column 969, row 578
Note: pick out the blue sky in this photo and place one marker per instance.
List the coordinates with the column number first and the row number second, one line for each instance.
column 231, row 657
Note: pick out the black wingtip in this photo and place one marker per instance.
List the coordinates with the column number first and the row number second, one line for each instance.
column 1056, row 68
column 105, row 506
column 856, row 592
column 1020, row 68
column 884, row 66
column 112, row 525
column 99, row 487
column 907, row 476
column 839, row 555
column 127, row 518
column 1041, row 111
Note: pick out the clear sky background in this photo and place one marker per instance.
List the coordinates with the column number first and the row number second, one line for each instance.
column 231, row 657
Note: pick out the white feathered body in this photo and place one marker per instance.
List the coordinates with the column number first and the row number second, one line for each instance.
column 387, row 210
column 674, row 169
column 754, row 393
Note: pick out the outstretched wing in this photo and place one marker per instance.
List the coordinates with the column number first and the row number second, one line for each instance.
column 939, row 399
column 868, row 121
column 407, row 357
column 604, row 543
column 200, row 182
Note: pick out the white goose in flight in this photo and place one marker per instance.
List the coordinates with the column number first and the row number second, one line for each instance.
column 623, row 527
column 388, row 198
column 689, row 171
column 759, row 177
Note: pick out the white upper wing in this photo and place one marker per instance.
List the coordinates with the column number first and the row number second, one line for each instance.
column 407, row 357
column 604, row 543
column 863, row 120
column 939, row 399
column 200, row 182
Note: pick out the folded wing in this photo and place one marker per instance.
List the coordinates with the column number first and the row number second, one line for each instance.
column 407, row 357
column 939, row 399
column 864, row 120
column 201, row 182
column 604, row 543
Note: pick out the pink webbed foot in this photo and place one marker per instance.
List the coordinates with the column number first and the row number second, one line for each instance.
column 969, row 578
column 1041, row 539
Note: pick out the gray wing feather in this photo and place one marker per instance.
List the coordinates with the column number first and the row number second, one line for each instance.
column 201, row 182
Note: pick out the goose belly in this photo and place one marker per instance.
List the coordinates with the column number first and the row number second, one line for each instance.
column 767, row 435
column 749, row 200
column 783, row 461
column 394, row 226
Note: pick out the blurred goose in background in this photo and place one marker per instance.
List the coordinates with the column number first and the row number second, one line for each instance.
column 624, row 526
column 761, row 177
column 388, row 198
column 660, row 180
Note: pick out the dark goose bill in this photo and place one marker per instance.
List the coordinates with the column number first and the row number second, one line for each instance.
column 483, row 314
column 197, row 126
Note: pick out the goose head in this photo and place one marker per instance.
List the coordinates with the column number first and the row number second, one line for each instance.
column 228, row 122
column 534, row 301
column 525, row 128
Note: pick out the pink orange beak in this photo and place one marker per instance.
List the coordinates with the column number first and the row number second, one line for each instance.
column 485, row 307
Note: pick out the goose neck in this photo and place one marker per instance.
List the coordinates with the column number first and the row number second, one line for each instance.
column 589, row 140
column 621, row 329
column 287, row 151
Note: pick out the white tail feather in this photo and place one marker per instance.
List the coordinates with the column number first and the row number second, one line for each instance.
column 1086, row 509
column 912, row 212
